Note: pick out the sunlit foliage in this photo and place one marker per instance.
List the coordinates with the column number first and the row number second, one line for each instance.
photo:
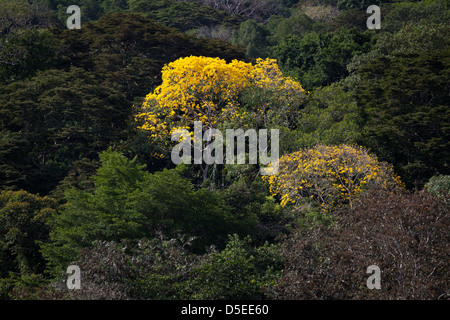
column 330, row 175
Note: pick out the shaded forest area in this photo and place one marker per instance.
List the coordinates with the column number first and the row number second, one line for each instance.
column 87, row 179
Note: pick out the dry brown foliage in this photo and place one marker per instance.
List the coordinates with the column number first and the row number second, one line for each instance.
column 405, row 234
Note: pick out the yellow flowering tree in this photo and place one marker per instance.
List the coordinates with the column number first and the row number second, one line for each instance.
column 329, row 175
column 208, row 90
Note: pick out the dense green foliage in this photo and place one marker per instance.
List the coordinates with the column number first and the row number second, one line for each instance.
column 73, row 116
column 130, row 203
column 240, row 271
column 330, row 116
column 406, row 121
column 85, row 104
column 82, row 184
column 319, row 59
column 23, row 221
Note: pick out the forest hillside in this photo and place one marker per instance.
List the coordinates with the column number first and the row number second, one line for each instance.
column 224, row 150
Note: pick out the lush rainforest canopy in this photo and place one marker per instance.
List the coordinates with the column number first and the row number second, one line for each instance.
column 86, row 176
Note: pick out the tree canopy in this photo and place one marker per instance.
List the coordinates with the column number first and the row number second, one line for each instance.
column 354, row 122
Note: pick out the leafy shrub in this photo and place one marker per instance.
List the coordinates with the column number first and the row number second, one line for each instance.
column 238, row 272
column 439, row 185
column 23, row 222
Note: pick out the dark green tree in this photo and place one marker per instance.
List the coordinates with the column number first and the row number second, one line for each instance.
column 23, row 55
column 297, row 24
column 320, row 59
column 23, row 222
column 52, row 120
column 113, row 6
column 403, row 96
column 330, row 117
column 253, row 36
column 24, row 45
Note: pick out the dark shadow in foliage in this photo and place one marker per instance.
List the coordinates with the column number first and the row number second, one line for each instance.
column 163, row 268
column 184, row 15
column 52, row 120
column 128, row 51
column 23, row 221
column 23, row 55
column 403, row 99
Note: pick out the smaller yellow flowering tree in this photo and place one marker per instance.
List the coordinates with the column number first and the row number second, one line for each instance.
column 329, row 175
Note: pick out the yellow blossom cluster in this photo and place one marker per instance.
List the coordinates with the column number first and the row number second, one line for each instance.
column 287, row 94
column 207, row 89
column 267, row 74
column 330, row 175
column 194, row 89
